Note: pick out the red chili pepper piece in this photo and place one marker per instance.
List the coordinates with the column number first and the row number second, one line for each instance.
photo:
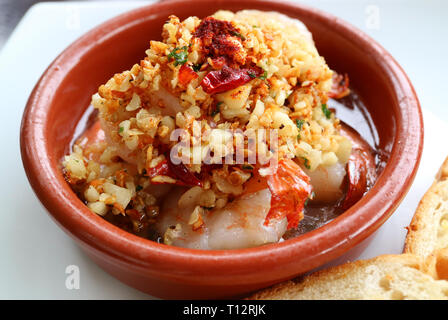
column 216, row 39
column 161, row 169
column 210, row 28
column 290, row 188
column 228, row 78
column 176, row 171
column 181, row 172
column 186, row 74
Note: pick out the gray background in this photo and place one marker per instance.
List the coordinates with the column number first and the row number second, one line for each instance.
column 10, row 13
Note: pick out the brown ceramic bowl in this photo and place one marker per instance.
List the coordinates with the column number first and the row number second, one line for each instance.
column 63, row 94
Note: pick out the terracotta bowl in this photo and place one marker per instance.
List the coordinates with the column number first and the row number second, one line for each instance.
column 63, row 93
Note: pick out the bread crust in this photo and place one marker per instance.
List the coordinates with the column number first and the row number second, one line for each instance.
column 423, row 229
column 289, row 288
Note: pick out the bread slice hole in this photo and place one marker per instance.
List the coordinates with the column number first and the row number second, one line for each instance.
column 444, row 221
column 397, row 295
column 385, row 283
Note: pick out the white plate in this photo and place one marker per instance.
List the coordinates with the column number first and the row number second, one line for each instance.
column 35, row 252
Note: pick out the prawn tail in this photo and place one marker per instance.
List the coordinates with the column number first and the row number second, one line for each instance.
column 340, row 87
column 290, row 188
column 360, row 177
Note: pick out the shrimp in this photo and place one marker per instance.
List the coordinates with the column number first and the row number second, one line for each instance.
column 345, row 183
column 161, row 101
column 361, row 168
column 327, row 182
column 168, row 104
column 262, row 214
column 240, row 224
column 340, row 87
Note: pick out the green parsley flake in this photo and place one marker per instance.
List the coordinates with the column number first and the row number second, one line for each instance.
column 179, row 55
column 326, row 111
column 197, row 67
column 239, row 35
column 306, row 163
column 120, row 129
column 251, row 74
column 264, row 75
column 299, row 123
column 247, row 167
column 217, row 109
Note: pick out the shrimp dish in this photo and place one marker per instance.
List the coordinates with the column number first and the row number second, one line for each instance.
column 222, row 137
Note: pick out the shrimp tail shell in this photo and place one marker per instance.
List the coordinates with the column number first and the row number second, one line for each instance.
column 360, row 172
column 290, row 188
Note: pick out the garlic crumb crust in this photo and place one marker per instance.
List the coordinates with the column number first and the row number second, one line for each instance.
column 220, row 80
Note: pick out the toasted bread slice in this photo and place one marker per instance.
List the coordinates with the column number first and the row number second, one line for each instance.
column 428, row 230
column 385, row 277
column 436, row 264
